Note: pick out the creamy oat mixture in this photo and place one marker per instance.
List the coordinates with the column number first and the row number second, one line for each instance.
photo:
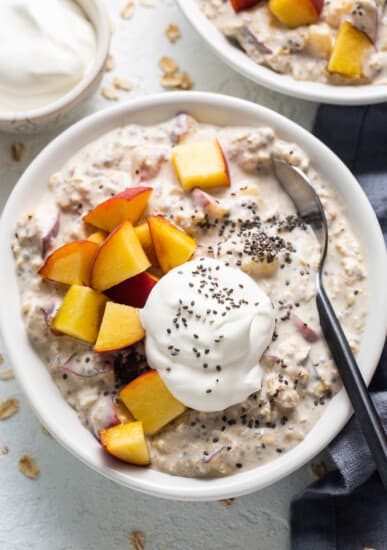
column 303, row 52
column 258, row 232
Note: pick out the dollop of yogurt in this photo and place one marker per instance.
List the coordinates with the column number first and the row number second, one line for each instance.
column 46, row 48
column 207, row 326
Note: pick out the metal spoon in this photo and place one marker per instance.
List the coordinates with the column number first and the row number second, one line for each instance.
column 309, row 208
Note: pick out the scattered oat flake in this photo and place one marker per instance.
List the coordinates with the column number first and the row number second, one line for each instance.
column 17, row 151
column 147, row 3
column 173, row 33
column 319, row 469
column 186, row 82
column 168, row 65
column 170, row 80
column 226, row 501
column 110, row 93
column 137, row 540
column 128, row 10
column 28, row 466
column 122, row 83
column 8, row 408
column 4, row 450
column 110, row 63
column 6, row 374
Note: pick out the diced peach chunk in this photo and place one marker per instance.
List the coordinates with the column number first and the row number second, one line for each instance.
column 120, row 327
column 173, row 246
column 294, row 13
column 201, row 164
column 70, row 264
column 134, row 291
column 125, row 206
column 144, row 236
column 97, row 237
column 80, row 314
column 120, row 257
column 240, row 5
column 150, row 401
column 126, row 442
column 348, row 52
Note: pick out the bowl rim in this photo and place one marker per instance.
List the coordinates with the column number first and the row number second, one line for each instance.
column 101, row 24
column 78, row 440
column 239, row 61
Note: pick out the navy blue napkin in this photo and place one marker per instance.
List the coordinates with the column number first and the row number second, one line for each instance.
column 347, row 508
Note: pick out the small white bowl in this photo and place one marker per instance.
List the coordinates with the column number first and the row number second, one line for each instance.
column 35, row 379
column 54, row 113
column 238, row 60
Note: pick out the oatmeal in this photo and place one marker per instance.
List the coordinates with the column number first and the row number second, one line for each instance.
column 339, row 42
column 241, row 218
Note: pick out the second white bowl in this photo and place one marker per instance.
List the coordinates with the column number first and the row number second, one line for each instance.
column 238, row 60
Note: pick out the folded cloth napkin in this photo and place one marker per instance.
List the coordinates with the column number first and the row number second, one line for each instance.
column 347, row 508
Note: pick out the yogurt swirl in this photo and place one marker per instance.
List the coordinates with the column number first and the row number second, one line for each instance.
column 207, row 326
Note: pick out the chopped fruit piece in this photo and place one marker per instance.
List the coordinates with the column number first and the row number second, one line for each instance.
column 123, row 413
column 208, row 204
column 261, row 268
column 304, row 329
column 128, row 205
column 80, row 313
column 201, row 164
column 348, row 52
column 133, row 292
column 150, row 401
column 98, row 237
column 126, row 442
column 240, row 5
column 319, row 41
column 173, row 246
column 144, row 236
column 121, row 327
column 294, row 13
column 70, row 264
column 118, row 258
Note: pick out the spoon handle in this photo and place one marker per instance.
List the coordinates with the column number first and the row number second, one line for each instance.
column 353, row 381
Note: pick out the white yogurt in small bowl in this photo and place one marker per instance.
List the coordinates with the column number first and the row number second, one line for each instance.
column 52, row 58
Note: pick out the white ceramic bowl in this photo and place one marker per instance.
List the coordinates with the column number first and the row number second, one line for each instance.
column 238, row 60
column 57, row 112
column 34, row 378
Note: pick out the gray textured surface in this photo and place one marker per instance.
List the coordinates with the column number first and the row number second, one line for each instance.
column 70, row 507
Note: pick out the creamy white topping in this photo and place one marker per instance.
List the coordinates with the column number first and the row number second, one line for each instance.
column 207, row 326
column 47, row 47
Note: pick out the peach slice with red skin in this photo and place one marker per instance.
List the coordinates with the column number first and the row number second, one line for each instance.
column 150, row 401
column 294, row 13
column 128, row 205
column 144, row 236
column 120, row 328
column 133, row 292
column 126, row 442
column 201, row 164
column 80, row 314
column 70, row 264
column 240, row 5
column 173, row 246
column 119, row 257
